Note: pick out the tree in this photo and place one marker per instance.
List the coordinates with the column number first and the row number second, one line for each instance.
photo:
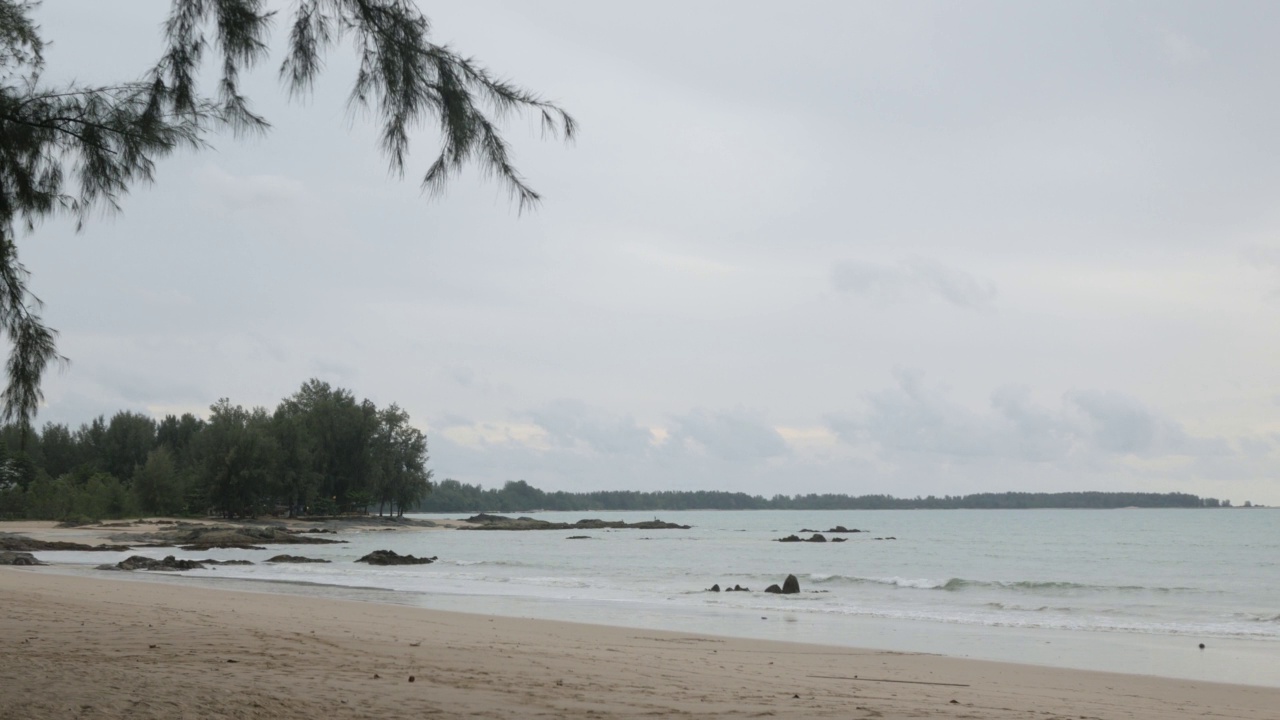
column 106, row 139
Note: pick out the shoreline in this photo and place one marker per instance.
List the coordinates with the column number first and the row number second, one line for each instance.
column 80, row 642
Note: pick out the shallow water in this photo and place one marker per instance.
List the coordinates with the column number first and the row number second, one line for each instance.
column 1120, row 590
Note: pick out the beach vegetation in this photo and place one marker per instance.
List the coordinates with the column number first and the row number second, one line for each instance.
column 69, row 148
column 320, row 452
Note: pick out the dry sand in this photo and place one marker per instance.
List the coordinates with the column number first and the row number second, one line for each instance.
column 84, row 647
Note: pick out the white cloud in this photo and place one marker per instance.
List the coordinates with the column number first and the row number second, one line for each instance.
column 913, row 277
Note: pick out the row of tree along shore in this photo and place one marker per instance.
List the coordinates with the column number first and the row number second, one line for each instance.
column 320, row 452
column 519, row 496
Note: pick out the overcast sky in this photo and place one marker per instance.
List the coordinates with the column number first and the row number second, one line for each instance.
column 907, row 248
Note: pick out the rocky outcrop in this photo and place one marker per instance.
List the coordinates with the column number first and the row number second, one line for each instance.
column 8, row 557
column 484, row 521
column 169, row 564
column 208, row 537
column 790, row 586
column 834, row 530
column 714, row 588
column 294, row 559
column 737, row 588
column 22, row 543
column 390, row 557
column 817, row 537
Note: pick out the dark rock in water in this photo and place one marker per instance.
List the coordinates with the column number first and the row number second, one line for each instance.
column 578, row 537
column 839, row 539
column 200, row 547
column 817, row 538
column 169, row 564
column 294, row 559
column 714, row 588
column 498, row 522
column 390, row 557
column 791, row 538
column 773, row 589
column 209, row 561
column 9, row 557
column 791, row 585
column 22, row 543
column 487, row 518
column 737, row 588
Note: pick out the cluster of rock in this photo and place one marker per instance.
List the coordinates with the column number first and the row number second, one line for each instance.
column 8, row 557
column 22, row 543
column 790, row 586
column 294, row 559
column 484, row 521
column 835, row 530
column 242, row 538
column 817, row 537
column 390, row 557
column 169, row 564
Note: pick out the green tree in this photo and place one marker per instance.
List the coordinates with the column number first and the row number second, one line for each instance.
column 238, row 456
column 157, row 485
column 400, row 477
column 129, row 438
column 71, row 148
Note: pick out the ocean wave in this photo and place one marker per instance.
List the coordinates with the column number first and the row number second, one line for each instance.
column 956, row 584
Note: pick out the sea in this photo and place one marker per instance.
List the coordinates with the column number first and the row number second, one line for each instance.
column 1180, row 593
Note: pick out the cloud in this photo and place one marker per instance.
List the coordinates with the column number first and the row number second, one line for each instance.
column 1180, row 50
column 913, row 276
column 913, row 420
column 571, row 424
column 735, row 436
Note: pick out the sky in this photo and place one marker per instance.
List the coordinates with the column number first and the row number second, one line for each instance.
column 909, row 248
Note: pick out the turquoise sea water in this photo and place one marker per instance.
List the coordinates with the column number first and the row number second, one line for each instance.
column 1119, row 590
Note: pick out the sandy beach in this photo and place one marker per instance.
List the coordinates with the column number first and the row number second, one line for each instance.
column 102, row 648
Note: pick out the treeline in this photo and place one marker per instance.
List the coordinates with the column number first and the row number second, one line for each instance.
column 519, row 496
column 320, row 452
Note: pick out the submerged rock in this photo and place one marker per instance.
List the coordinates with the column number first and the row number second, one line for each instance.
column 773, row 589
column 294, row 559
column 390, row 557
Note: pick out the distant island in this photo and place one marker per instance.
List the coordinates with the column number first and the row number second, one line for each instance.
column 519, row 496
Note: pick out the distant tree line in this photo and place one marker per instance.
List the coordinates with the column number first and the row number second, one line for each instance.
column 519, row 496
column 320, row 452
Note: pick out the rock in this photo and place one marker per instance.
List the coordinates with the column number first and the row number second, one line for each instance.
column 498, row 522
column 817, row 538
column 737, row 588
column 199, row 547
column 209, row 561
column 169, row 564
column 791, row 585
column 773, row 589
column 294, row 559
column 578, row 537
column 390, row 557
column 22, row 543
column 839, row 539
column 714, row 588
column 790, row 538
column 9, row 557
